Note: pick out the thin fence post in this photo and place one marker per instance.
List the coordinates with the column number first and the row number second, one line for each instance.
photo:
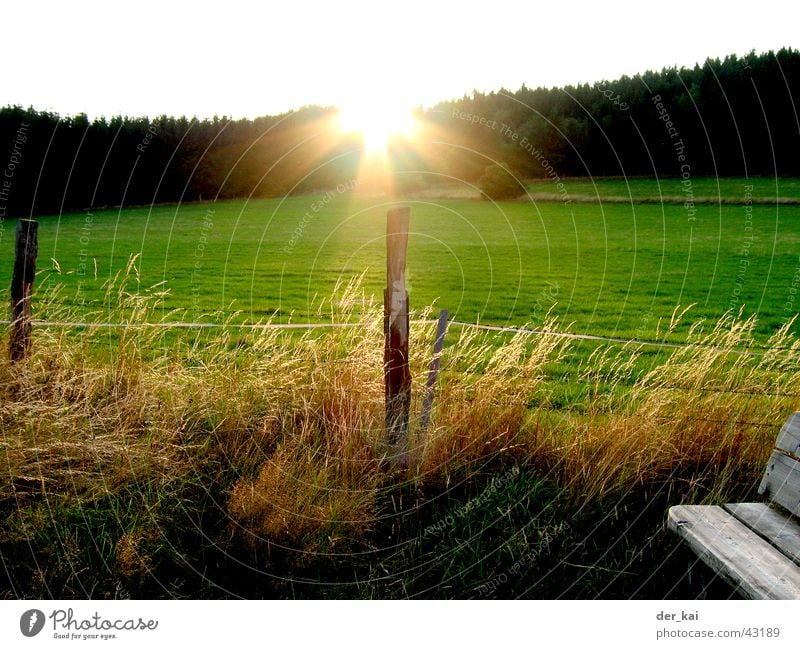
column 27, row 247
column 395, row 322
column 433, row 371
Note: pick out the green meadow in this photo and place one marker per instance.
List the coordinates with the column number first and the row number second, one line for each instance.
column 605, row 268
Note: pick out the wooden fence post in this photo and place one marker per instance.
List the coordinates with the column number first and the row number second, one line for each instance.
column 27, row 247
column 397, row 375
column 433, row 371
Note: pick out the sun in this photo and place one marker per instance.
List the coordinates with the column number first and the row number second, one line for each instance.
column 377, row 124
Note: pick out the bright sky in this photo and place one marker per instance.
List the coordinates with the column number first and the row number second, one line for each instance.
column 246, row 59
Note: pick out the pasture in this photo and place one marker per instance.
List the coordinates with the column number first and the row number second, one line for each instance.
column 610, row 269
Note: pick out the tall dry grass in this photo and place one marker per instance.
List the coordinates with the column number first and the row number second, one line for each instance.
column 713, row 406
column 289, row 425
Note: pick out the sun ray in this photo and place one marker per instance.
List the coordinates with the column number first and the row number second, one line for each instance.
column 377, row 125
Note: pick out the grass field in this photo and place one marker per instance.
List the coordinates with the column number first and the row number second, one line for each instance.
column 609, row 269
column 254, row 462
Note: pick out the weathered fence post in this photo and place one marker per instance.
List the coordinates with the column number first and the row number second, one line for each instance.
column 433, row 371
column 27, row 247
column 395, row 323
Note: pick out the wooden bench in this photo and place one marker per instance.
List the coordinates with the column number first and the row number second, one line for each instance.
column 755, row 547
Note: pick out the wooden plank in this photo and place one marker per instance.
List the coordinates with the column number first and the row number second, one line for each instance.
column 781, row 482
column 789, row 437
column 27, row 247
column 397, row 375
column 735, row 552
column 779, row 530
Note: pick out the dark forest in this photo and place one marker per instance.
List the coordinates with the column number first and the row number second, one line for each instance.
column 731, row 117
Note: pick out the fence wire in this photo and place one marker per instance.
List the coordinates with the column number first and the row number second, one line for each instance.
column 495, row 328
column 333, row 325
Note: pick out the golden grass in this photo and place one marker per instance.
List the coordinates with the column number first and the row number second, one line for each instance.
column 299, row 417
column 715, row 405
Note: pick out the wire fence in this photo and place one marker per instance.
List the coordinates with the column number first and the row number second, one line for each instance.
column 334, row 325
column 594, row 382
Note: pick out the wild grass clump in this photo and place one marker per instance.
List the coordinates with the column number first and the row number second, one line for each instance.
column 278, row 435
column 308, row 498
column 483, row 404
column 712, row 408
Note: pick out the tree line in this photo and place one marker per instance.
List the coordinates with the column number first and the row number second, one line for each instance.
column 732, row 117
